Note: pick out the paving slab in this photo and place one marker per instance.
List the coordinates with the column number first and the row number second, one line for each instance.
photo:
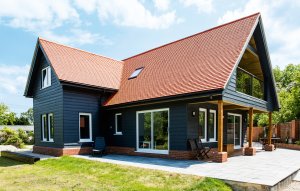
column 265, row 168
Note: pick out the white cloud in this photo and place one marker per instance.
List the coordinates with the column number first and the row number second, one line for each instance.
column 282, row 35
column 12, row 84
column 205, row 6
column 162, row 5
column 45, row 18
column 36, row 14
column 130, row 13
column 77, row 36
column 13, row 78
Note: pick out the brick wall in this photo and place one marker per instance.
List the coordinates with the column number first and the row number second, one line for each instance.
column 61, row 151
column 288, row 146
column 173, row 154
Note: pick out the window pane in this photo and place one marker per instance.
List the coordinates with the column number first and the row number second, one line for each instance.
column 45, row 127
column 84, row 127
column 160, row 130
column 211, row 126
column 144, row 120
column 51, row 126
column 136, row 73
column 243, row 82
column 237, row 132
column 119, row 123
column 202, row 117
column 258, row 89
column 44, row 78
column 230, row 129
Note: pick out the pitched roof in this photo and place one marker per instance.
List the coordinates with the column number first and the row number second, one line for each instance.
column 78, row 66
column 200, row 62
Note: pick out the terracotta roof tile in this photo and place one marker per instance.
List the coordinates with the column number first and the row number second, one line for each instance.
column 77, row 66
column 197, row 63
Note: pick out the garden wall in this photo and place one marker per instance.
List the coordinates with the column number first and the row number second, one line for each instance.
column 289, row 129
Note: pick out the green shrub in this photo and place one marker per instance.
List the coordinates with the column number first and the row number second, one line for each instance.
column 297, row 142
column 15, row 141
column 5, row 133
column 23, row 135
column 17, row 138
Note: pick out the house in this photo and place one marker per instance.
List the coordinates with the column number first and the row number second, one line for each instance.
column 202, row 86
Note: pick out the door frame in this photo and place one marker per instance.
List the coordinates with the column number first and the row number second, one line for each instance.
column 137, row 132
column 241, row 129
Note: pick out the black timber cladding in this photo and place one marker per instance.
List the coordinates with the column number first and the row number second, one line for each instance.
column 75, row 102
column 47, row 100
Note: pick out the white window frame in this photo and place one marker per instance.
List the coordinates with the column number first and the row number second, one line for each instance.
column 215, row 125
column 116, row 124
column 136, row 73
column 90, row 127
column 48, row 77
column 44, row 116
column 137, row 132
column 49, row 127
column 205, row 124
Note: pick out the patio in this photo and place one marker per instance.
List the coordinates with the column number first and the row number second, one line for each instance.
column 264, row 170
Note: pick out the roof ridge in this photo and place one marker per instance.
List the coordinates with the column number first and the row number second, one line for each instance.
column 213, row 28
column 41, row 38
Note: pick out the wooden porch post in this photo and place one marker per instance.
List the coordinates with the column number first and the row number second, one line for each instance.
column 220, row 126
column 220, row 156
column 250, row 126
column 250, row 151
column 269, row 146
column 270, row 129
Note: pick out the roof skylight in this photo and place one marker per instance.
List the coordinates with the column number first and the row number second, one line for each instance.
column 135, row 73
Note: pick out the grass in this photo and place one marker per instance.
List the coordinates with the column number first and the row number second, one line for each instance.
column 69, row 173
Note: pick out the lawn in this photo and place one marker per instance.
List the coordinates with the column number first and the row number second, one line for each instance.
column 69, row 173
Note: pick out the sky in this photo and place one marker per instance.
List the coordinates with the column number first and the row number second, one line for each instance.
column 123, row 28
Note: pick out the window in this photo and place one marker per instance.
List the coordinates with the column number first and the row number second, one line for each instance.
column 153, row 131
column 44, row 128
column 51, row 126
column 47, row 127
column 212, row 125
column 85, row 127
column 136, row 73
column 46, row 77
column 118, row 124
column 202, row 124
column 249, row 84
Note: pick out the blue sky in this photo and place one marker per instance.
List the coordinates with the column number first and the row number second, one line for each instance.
column 120, row 29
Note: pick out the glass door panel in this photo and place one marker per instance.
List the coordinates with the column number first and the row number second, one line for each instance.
column 237, row 131
column 160, row 130
column 144, row 120
column 234, row 130
column 230, row 129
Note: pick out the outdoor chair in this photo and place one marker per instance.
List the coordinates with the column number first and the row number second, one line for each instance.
column 202, row 150
column 195, row 149
column 99, row 146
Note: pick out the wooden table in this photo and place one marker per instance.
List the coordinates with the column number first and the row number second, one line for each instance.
column 264, row 141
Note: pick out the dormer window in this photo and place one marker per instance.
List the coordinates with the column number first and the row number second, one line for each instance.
column 136, row 73
column 46, row 77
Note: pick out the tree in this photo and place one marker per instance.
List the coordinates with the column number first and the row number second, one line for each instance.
column 26, row 118
column 6, row 117
column 288, row 91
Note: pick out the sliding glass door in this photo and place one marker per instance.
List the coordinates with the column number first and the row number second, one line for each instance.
column 234, row 130
column 153, row 131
